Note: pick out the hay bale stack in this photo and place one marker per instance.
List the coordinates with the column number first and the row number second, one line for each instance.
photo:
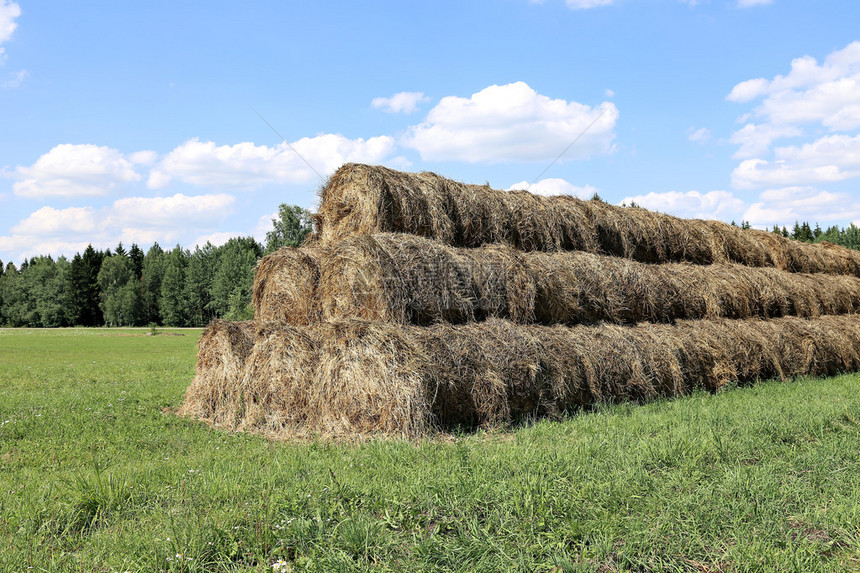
column 221, row 354
column 363, row 200
column 408, row 279
column 424, row 303
column 359, row 377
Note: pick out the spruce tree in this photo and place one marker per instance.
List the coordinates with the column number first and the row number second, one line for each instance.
column 82, row 288
column 135, row 255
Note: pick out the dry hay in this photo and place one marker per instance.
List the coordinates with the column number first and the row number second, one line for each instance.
column 356, row 377
column 362, row 199
column 412, row 280
column 285, row 285
column 221, row 354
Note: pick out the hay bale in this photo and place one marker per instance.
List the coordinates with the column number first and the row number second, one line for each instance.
column 221, row 354
column 285, row 285
column 353, row 377
column 272, row 391
column 408, row 279
column 362, row 200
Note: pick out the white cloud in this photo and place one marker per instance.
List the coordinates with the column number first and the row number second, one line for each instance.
column 786, row 205
column 143, row 157
column 828, row 93
column 403, row 102
column 748, row 3
column 829, row 159
column 818, row 94
column 134, row 219
column 693, row 204
column 217, row 239
column 511, row 123
column 16, row 80
column 755, row 139
column 264, row 225
column 554, row 186
column 609, row 93
column 9, row 12
column 246, row 165
column 70, row 170
column 583, row 4
column 701, row 135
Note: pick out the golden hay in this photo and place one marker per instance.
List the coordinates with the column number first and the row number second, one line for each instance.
column 221, row 354
column 358, row 377
column 285, row 285
column 362, row 200
column 412, row 280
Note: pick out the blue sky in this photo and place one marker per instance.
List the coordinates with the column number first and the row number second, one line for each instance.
column 137, row 122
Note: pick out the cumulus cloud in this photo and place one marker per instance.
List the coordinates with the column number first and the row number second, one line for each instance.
column 693, row 204
column 824, row 95
column 511, row 123
column 247, row 166
column 133, row 219
column 756, row 139
column 784, row 206
column 554, row 186
column 9, row 12
column 403, row 102
column 70, row 170
column 828, row 159
column 828, row 93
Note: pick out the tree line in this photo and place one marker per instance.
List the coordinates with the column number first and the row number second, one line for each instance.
column 127, row 287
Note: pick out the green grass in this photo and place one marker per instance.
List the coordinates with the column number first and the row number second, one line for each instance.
column 95, row 476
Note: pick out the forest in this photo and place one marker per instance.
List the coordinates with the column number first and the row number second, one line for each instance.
column 180, row 287
column 130, row 287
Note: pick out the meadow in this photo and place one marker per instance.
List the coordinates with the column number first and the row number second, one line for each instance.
column 98, row 474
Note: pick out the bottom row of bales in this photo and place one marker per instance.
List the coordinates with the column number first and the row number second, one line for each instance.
column 355, row 377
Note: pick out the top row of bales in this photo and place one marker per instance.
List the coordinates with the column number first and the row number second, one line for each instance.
column 364, row 199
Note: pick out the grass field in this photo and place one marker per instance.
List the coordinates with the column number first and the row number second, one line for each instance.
column 97, row 475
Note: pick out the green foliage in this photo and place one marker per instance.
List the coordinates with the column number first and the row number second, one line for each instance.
column 152, row 274
column 35, row 295
column 290, row 228
column 96, row 477
column 234, row 277
column 135, row 257
column 82, row 288
column 172, row 303
column 199, row 279
column 121, row 294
